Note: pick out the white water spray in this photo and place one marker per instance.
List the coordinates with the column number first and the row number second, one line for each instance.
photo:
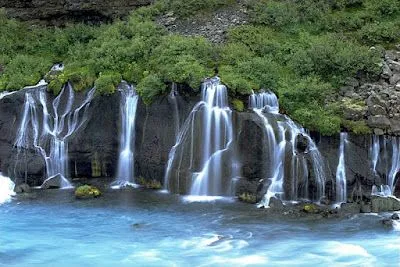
column 6, row 189
column 341, row 192
column 126, row 161
column 266, row 106
column 215, row 141
column 48, row 134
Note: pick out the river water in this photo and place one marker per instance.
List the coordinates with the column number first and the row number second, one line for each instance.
column 145, row 228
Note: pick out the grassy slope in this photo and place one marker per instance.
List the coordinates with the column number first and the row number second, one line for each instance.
column 301, row 49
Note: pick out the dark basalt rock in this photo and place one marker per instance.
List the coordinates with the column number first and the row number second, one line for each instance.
column 58, row 12
column 93, row 149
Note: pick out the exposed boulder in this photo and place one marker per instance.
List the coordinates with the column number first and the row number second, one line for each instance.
column 378, row 121
column 383, row 204
column 22, row 188
column 53, row 182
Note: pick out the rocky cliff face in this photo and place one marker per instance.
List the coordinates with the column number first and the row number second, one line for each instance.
column 93, row 149
column 58, row 12
column 377, row 103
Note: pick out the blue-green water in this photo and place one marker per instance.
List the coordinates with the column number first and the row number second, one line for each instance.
column 137, row 228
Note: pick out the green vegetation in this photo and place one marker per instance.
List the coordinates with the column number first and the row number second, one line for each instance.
column 303, row 50
column 248, row 197
column 149, row 184
column 87, row 191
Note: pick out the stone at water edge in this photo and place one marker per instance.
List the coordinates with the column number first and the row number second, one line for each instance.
column 87, row 191
column 53, row 182
column 395, row 216
column 382, row 204
column 22, row 188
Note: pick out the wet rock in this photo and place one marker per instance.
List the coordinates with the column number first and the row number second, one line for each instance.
column 351, row 208
column 302, row 143
column 22, row 188
column 384, row 204
column 311, row 208
column 53, row 182
column 395, row 216
column 276, row 204
column 366, row 208
column 387, row 222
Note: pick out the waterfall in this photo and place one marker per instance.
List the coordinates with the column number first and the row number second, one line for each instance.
column 173, row 98
column 385, row 162
column 126, row 160
column 204, row 146
column 341, row 192
column 281, row 131
column 6, row 189
column 49, row 131
column 375, row 149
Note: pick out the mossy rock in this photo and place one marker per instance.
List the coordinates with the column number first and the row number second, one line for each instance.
column 149, row 184
column 87, row 191
column 248, row 198
column 310, row 208
column 238, row 105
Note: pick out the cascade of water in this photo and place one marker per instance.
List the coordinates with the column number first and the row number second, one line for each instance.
column 388, row 161
column 266, row 106
column 395, row 163
column 49, row 136
column 341, row 192
column 6, row 189
column 172, row 96
column 4, row 94
column 126, row 161
column 375, row 152
column 216, row 135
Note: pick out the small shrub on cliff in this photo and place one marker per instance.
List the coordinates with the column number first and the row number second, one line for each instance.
column 149, row 87
column 191, row 7
column 107, row 82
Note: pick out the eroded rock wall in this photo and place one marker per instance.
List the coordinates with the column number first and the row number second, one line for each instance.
column 58, row 12
column 93, row 149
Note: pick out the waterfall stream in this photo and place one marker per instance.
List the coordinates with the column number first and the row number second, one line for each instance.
column 47, row 130
column 6, row 189
column 203, row 148
column 385, row 162
column 341, row 192
column 126, row 160
column 282, row 132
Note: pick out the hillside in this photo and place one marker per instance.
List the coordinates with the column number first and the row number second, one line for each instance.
column 309, row 52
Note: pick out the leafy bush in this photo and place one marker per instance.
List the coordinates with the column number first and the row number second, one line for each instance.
column 149, row 87
column 107, row 82
column 380, row 32
column 273, row 13
column 190, row 7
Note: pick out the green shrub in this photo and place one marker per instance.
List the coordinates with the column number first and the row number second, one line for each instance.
column 273, row 13
column 190, row 7
column 149, row 87
column 24, row 70
column 380, row 32
column 107, row 83
column 357, row 127
column 238, row 105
